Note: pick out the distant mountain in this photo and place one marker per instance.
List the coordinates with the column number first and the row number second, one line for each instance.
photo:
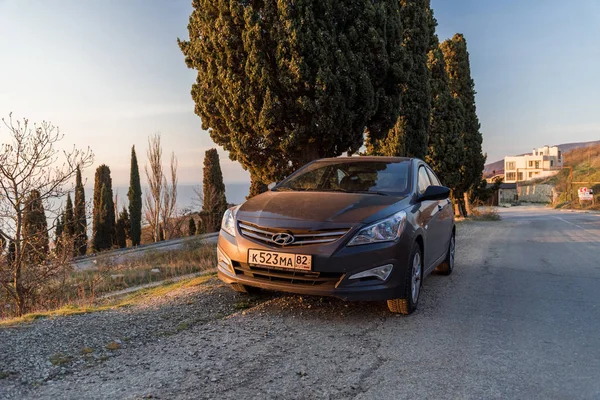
column 498, row 166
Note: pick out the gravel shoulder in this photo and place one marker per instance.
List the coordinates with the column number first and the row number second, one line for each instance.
column 185, row 344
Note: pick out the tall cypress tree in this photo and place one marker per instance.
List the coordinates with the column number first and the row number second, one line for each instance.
column 191, row 227
column 58, row 234
column 11, row 252
column 445, row 150
column 35, row 230
column 121, row 229
column 409, row 137
column 462, row 88
column 282, row 83
column 80, row 218
column 69, row 220
column 104, row 210
column 135, row 201
column 214, row 202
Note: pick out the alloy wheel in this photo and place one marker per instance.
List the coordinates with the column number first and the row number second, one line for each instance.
column 416, row 277
column 451, row 258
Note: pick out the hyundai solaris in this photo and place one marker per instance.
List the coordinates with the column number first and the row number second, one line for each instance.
column 357, row 228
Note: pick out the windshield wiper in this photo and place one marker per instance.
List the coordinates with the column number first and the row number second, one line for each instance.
column 371, row 192
column 332, row 190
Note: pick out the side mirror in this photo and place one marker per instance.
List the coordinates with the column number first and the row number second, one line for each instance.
column 271, row 185
column 435, row 193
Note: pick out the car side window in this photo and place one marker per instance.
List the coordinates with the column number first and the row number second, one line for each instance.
column 423, row 181
column 433, row 178
column 340, row 175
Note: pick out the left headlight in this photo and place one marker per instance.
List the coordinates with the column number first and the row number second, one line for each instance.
column 228, row 222
column 386, row 230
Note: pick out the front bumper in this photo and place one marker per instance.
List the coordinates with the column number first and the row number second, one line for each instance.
column 333, row 264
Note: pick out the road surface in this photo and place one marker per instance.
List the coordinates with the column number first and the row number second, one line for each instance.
column 518, row 319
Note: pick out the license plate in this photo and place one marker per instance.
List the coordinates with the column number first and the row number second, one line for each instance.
column 280, row 260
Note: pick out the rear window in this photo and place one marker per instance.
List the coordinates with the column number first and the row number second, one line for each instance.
column 387, row 177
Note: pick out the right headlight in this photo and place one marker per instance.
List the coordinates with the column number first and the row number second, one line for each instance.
column 228, row 222
column 386, row 230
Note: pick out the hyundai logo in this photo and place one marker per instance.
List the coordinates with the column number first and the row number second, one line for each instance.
column 283, row 239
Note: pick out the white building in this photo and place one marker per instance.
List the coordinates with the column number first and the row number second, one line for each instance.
column 543, row 162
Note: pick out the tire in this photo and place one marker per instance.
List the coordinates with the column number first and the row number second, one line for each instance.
column 407, row 304
column 447, row 266
column 238, row 287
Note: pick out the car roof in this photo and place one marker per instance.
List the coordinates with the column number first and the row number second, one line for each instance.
column 368, row 158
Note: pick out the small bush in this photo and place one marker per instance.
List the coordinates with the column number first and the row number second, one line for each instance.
column 113, row 346
column 485, row 214
column 60, row 359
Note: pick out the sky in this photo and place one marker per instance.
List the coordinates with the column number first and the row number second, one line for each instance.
column 109, row 73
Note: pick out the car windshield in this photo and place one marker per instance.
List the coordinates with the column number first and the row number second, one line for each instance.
column 376, row 177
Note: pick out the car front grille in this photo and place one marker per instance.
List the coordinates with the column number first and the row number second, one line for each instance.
column 301, row 238
column 297, row 277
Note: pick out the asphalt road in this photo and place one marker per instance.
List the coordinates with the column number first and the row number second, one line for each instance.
column 518, row 319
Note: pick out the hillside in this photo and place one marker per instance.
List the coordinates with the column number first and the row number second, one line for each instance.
column 498, row 166
column 585, row 162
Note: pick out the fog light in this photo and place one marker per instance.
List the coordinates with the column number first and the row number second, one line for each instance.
column 382, row 272
column 224, row 262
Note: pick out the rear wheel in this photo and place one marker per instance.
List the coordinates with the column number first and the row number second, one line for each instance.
column 407, row 304
column 447, row 266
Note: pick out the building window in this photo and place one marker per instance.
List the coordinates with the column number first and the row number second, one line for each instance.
column 510, row 165
column 520, row 176
column 511, row 176
column 530, row 174
column 530, row 164
column 537, row 164
column 552, row 163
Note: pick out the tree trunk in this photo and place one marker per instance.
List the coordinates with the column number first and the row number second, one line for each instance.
column 157, row 224
column 19, row 292
column 456, row 209
column 467, row 204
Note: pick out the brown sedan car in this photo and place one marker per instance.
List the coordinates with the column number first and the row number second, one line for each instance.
column 357, row 228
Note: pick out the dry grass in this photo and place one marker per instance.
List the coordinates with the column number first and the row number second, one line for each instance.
column 152, row 266
column 485, row 214
column 585, row 163
column 82, row 288
column 129, row 300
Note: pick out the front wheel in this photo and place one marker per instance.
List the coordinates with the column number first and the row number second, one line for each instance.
column 407, row 304
column 447, row 266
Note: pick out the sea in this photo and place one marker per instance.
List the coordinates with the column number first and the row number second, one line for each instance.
column 187, row 200
column 186, row 194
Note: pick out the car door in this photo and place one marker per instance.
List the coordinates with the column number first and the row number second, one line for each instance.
column 428, row 219
column 445, row 219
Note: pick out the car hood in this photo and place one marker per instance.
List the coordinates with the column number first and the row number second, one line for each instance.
column 323, row 207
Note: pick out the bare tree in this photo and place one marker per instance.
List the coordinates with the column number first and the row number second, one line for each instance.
column 161, row 199
column 169, row 203
column 29, row 163
column 154, row 175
